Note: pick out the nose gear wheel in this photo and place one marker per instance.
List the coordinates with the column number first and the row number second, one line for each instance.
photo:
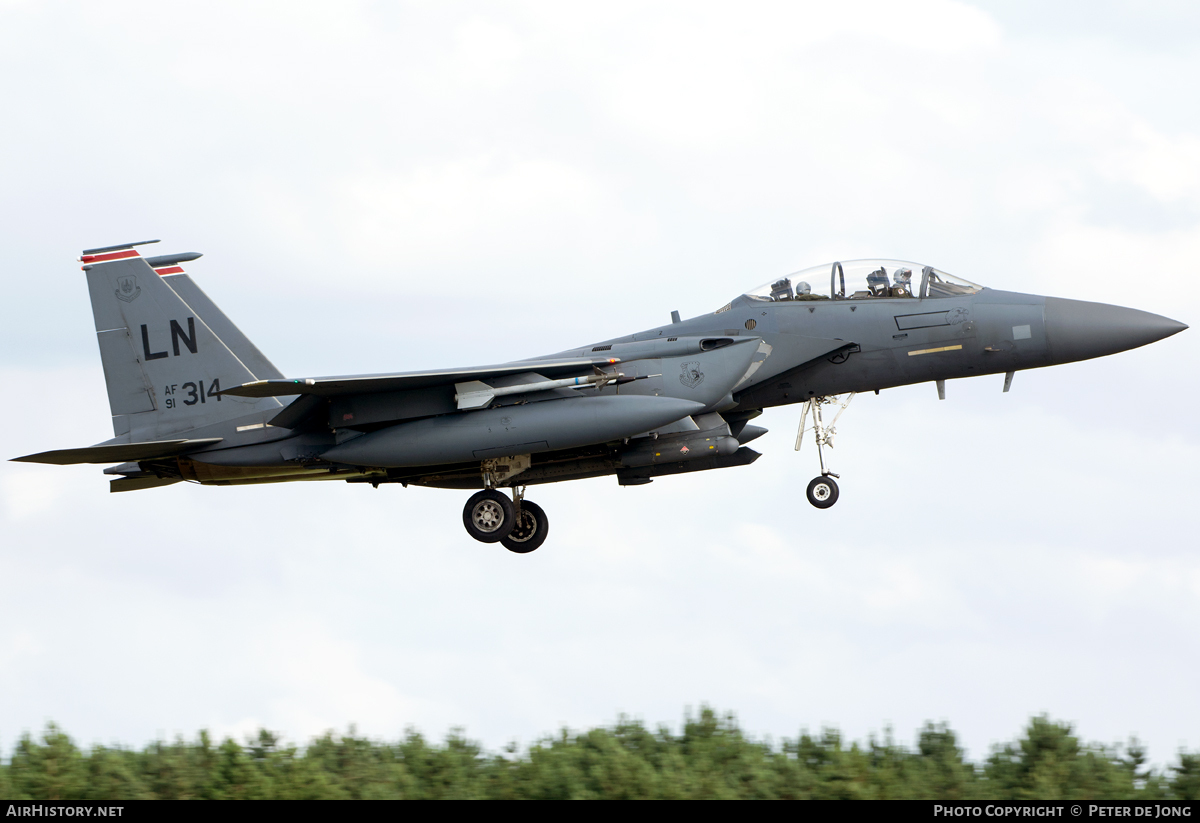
column 822, row 492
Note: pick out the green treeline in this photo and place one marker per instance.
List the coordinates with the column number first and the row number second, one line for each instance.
column 711, row 758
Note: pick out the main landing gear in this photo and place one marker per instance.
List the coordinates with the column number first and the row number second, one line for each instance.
column 518, row 525
column 822, row 491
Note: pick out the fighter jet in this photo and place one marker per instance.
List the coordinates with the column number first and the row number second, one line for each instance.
column 192, row 399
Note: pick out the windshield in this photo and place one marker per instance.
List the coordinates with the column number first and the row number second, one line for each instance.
column 863, row 280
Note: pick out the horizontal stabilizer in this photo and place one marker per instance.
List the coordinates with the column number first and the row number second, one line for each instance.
column 118, row 452
column 133, row 484
column 369, row 383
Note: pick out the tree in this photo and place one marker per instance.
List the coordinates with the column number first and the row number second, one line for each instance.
column 711, row 757
column 943, row 771
column 51, row 770
column 1185, row 784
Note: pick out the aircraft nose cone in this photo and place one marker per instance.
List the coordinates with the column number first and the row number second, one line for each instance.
column 1078, row 330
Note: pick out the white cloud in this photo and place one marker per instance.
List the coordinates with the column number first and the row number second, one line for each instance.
column 31, row 494
column 319, row 683
column 473, row 208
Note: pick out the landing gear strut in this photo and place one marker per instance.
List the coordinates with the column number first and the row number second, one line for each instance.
column 518, row 524
column 822, row 491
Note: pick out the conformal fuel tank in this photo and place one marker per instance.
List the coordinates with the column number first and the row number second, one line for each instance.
column 548, row 425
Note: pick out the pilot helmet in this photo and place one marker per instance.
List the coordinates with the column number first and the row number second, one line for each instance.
column 803, row 288
column 902, row 275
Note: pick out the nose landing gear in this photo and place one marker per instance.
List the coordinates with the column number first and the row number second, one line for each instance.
column 822, row 491
column 518, row 525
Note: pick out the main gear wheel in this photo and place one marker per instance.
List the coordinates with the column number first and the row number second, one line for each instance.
column 530, row 530
column 489, row 516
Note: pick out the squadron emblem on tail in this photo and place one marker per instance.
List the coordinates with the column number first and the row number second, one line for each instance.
column 127, row 288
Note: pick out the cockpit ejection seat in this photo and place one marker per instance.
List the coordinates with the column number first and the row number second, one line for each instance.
column 877, row 282
column 781, row 290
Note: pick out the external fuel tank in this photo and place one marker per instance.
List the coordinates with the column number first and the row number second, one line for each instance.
column 544, row 426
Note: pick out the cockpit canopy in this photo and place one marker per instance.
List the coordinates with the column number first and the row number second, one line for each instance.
column 864, row 280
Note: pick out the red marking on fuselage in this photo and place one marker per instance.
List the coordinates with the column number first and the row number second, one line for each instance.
column 170, row 270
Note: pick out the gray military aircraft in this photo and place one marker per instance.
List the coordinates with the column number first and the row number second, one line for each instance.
column 193, row 399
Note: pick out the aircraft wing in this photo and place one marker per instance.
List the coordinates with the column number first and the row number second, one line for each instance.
column 118, row 452
column 405, row 381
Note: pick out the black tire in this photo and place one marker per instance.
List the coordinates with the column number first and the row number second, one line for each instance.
column 530, row 531
column 489, row 516
column 822, row 492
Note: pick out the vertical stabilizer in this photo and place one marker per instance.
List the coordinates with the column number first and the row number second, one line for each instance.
column 238, row 343
column 163, row 364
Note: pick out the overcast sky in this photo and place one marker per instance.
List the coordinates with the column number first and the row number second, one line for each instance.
column 391, row 186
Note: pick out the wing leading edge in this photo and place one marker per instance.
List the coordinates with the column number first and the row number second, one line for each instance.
column 404, row 381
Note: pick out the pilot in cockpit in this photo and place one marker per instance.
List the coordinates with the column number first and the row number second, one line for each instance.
column 903, row 287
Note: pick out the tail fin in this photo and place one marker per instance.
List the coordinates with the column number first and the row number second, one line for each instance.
column 215, row 319
column 163, row 363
